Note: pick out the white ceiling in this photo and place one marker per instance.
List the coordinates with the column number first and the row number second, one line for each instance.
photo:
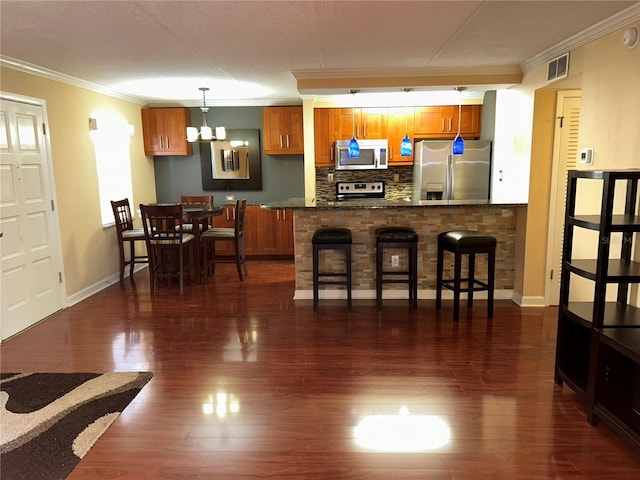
column 188, row 44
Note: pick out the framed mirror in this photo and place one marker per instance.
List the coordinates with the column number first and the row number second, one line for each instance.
column 234, row 164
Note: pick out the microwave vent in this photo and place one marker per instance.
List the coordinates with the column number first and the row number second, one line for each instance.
column 558, row 68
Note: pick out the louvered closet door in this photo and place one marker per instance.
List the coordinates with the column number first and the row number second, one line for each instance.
column 566, row 157
column 29, row 248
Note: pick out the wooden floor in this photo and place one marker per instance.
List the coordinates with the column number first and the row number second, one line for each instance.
column 249, row 384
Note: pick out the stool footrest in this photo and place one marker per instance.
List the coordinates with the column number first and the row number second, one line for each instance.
column 480, row 288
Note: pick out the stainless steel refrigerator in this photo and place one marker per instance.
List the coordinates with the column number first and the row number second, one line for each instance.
column 440, row 175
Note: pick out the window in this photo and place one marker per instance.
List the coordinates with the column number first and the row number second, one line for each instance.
column 111, row 141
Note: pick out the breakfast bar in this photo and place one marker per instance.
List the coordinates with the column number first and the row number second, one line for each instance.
column 427, row 218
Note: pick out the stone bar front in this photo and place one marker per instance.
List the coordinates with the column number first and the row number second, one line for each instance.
column 428, row 219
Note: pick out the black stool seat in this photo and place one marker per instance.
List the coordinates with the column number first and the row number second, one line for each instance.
column 331, row 235
column 465, row 239
column 331, row 239
column 465, row 242
column 397, row 237
column 396, row 234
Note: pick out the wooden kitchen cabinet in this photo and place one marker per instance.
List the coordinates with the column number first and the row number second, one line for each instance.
column 283, row 130
column 227, row 220
column 370, row 123
column 400, row 122
column 442, row 121
column 267, row 232
column 324, row 136
column 164, row 131
column 275, row 232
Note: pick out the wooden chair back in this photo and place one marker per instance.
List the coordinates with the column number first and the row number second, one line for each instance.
column 197, row 201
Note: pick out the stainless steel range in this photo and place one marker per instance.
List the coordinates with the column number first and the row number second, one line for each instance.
column 356, row 190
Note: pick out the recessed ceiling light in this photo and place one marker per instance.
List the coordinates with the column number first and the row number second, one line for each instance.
column 180, row 88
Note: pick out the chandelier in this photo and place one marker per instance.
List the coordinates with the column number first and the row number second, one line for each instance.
column 205, row 134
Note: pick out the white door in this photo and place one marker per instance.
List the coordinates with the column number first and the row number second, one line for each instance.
column 564, row 158
column 31, row 260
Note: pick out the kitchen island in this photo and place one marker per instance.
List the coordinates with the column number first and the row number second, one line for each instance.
column 426, row 217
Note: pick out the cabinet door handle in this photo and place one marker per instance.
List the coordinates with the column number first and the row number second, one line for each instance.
column 280, row 141
column 450, row 124
column 442, row 129
column 331, row 154
column 226, row 211
column 277, row 214
column 234, row 213
column 284, row 214
column 288, row 145
column 364, row 131
column 167, row 141
column 391, row 151
column 161, row 143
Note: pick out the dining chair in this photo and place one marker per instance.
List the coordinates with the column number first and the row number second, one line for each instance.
column 126, row 233
column 196, row 201
column 235, row 235
column 170, row 249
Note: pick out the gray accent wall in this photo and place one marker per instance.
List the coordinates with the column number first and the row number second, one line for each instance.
column 282, row 176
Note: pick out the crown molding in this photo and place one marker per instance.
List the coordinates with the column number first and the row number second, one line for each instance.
column 36, row 70
column 590, row 34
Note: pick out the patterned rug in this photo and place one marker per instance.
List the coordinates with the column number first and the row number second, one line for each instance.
column 49, row 421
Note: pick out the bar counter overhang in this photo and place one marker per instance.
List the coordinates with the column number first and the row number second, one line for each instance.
column 427, row 217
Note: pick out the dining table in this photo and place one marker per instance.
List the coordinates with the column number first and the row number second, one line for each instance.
column 200, row 219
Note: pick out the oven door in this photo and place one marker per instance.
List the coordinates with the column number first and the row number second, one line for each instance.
column 366, row 161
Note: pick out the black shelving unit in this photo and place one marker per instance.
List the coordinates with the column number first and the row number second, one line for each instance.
column 598, row 342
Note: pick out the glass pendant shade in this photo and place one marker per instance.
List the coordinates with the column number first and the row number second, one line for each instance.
column 406, row 147
column 354, row 148
column 458, row 145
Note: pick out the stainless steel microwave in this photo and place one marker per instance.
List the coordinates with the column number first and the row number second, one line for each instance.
column 373, row 155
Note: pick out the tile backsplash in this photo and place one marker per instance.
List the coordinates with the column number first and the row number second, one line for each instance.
column 394, row 190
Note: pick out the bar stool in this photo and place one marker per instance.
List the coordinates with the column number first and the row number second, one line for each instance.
column 397, row 237
column 465, row 242
column 331, row 239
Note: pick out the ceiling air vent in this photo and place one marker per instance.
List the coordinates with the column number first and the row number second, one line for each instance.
column 558, row 68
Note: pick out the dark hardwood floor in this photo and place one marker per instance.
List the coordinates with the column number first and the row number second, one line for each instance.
column 250, row 384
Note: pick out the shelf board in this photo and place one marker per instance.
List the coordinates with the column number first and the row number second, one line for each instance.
column 617, row 270
column 616, row 316
column 624, row 340
column 619, row 223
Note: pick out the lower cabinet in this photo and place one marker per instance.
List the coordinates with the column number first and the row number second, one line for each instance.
column 275, row 232
column 267, row 232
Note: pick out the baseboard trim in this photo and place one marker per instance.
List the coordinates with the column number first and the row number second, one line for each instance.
column 530, row 301
column 98, row 286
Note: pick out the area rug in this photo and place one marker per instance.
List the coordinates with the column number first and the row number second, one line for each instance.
column 49, row 421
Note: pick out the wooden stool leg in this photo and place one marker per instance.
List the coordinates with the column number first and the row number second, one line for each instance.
column 413, row 285
column 348, row 252
column 315, row 278
column 491, row 282
column 472, row 272
column 379, row 276
column 439, row 267
column 456, row 286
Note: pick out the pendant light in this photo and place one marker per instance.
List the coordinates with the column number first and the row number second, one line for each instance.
column 406, row 146
column 206, row 132
column 458, row 142
column 354, row 148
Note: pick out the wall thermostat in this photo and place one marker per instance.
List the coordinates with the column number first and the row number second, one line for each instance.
column 586, row 156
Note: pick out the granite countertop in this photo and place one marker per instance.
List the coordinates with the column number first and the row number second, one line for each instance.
column 299, row 204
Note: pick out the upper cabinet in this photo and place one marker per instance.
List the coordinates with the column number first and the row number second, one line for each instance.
column 364, row 123
column 283, row 130
column 442, row 121
column 400, row 123
column 164, row 131
column 324, row 136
